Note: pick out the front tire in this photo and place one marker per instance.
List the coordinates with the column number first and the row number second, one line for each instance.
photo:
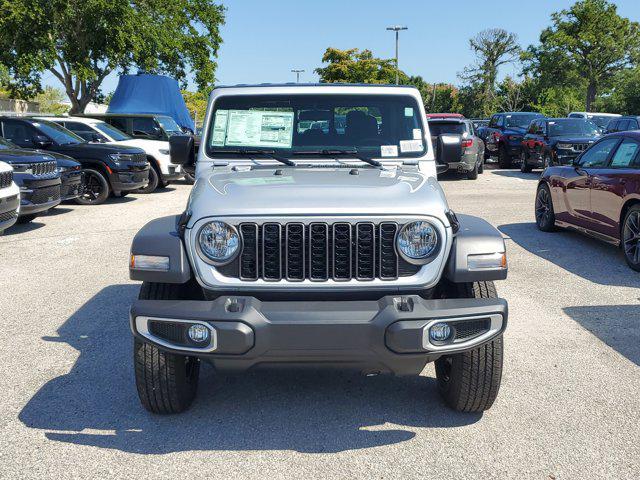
column 504, row 160
column 470, row 381
column 154, row 181
column 545, row 215
column 473, row 174
column 631, row 237
column 524, row 163
column 95, row 189
column 166, row 382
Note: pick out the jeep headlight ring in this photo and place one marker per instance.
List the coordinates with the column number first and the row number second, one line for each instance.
column 418, row 242
column 218, row 243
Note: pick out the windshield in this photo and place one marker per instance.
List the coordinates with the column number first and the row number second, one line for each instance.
column 572, row 126
column 169, row 125
column 438, row 128
column 521, row 120
column 58, row 134
column 372, row 125
column 6, row 144
column 600, row 120
column 112, row 132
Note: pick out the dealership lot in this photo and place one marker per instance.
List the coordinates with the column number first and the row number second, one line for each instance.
column 568, row 407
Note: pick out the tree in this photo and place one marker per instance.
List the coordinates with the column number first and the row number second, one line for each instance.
column 625, row 95
column 51, row 101
column 589, row 42
column 196, row 104
column 355, row 66
column 493, row 48
column 81, row 41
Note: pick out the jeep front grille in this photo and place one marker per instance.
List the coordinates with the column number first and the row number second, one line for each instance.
column 6, row 178
column 580, row 147
column 318, row 251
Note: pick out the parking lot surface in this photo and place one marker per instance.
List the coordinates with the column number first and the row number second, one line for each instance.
column 569, row 406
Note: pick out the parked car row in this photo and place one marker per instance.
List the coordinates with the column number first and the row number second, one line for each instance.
column 54, row 159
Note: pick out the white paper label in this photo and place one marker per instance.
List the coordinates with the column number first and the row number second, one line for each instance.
column 389, row 150
column 417, row 134
column 411, row 145
column 255, row 128
column 408, row 112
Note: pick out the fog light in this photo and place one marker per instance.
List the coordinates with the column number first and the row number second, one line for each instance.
column 198, row 333
column 440, row 332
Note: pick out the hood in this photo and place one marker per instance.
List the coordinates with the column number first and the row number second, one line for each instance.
column 100, row 148
column 321, row 191
column 25, row 156
column 575, row 139
column 145, row 144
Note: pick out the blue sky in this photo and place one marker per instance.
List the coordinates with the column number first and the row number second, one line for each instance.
column 264, row 40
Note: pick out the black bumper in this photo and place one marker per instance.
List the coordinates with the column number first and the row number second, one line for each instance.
column 8, row 211
column 128, row 180
column 71, row 186
column 388, row 335
column 39, row 195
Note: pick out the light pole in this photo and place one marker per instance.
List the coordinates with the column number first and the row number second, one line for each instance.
column 397, row 28
column 297, row 72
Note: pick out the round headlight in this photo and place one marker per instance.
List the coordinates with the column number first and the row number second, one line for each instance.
column 218, row 242
column 418, row 241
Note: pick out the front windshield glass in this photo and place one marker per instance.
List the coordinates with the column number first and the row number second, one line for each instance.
column 57, row 133
column 6, row 144
column 521, row 120
column 321, row 124
column 169, row 125
column 111, row 132
column 572, row 126
column 600, row 120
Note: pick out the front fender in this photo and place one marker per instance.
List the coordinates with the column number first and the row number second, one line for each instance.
column 161, row 237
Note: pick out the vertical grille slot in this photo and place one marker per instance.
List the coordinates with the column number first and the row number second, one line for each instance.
column 342, row 253
column 318, row 251
column 387, row 256
column 294, row 252
column 271, row 255
column 249, row 257
column 365, row 251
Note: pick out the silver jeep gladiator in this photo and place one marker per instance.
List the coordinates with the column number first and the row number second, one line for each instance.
column 316, row 235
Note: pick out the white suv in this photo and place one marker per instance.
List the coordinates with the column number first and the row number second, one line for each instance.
column 94, row 130
column 9, row 197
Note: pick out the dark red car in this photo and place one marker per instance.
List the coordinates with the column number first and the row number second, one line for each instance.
column 599, row 194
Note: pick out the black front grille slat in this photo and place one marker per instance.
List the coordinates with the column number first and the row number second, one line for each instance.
column 295, row 246
column 469, row 329
column 6, row 178
column 342, row 251
column 271, row 251
column 249, row 256
column 45, row 195
column 318, row 251
column 388, row 259
column 365, row 251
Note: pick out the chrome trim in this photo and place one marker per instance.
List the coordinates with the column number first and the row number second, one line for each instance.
column 217, row 263
column 494, row 328
column 142, row 327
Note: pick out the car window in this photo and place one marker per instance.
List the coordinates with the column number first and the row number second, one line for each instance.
column 19, row 133
column 597, row 155
column 119, row 123
column 625, row 154
column 533, row 127
column 500, row 121
column 612, row 126
column 144, row 125
column 633, row 124
column 439, row 128
column 77, row 127
column 575, row 115
column 623, row 126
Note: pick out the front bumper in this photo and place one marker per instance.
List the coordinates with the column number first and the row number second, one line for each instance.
column 9, row 209
column 127, row 180
column 39, row 195
column 388, row 335
column 71, row 185
column 174, row 172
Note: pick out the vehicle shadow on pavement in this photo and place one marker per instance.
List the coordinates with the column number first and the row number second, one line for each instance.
column 616, row 325
column 18, row 228
column 579, row 254
column 96, row 403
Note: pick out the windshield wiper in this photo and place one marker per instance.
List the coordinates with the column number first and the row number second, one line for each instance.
column 266, row 153
column 353, row 153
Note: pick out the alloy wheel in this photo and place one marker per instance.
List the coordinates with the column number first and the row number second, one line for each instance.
column 631, row 237
column 543, row 207
column 92, row 188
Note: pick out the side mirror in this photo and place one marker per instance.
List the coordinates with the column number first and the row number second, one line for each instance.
column 42, row 141
column 448, row 149
column 182, row 150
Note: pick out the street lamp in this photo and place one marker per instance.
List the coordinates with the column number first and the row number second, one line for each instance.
column 397, row 28
column 297, row 72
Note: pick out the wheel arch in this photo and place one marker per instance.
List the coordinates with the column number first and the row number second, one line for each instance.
column 623, row 212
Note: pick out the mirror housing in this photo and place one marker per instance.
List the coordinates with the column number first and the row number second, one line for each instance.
column 42, row 141
column 182, row 150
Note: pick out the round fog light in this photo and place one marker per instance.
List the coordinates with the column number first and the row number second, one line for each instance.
column 198, row 333
column 440, row 332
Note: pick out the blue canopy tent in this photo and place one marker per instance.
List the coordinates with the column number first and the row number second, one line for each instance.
column 143, row 93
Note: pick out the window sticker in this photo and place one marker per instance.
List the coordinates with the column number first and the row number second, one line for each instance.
column 411, row 146
column 408, row 111
column 417, row 134
column 625, row 154
column 256, row 128
column 389, row 150
column 220, row 128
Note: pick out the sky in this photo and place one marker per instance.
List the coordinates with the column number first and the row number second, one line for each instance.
column 265, row 40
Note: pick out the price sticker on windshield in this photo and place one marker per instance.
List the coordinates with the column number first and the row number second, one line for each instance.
column 407, row 146
column 389, row 150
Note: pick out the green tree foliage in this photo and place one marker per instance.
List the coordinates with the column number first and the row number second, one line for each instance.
column 81, row 41
column 50, row 100
column 625, row 97
column 589, row 42
column 355, row 66
column 196, row 104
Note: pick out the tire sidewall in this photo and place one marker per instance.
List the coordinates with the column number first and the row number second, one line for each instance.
column 104, row 194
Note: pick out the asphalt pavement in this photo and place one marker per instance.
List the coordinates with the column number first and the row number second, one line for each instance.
column 569, row 406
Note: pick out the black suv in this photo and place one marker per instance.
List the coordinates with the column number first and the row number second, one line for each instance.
column 142, row 125
column 107, row 169
column 36, row 173
column 556, row 141
column 623, row 124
